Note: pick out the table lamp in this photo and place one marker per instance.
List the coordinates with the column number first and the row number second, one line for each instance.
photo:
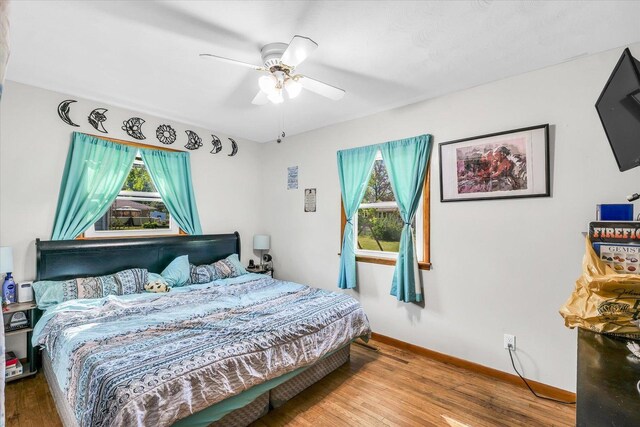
column 6, row 265
column 261, row 242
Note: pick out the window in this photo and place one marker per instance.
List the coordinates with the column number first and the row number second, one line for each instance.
column 137, row 211
column 378, row 225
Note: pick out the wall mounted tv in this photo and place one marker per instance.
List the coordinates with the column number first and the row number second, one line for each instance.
column 619, row 111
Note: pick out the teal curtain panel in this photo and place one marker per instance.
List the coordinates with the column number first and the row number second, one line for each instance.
column 354, row 169
column 93, row 177
column 406, row 161
column 171, row 174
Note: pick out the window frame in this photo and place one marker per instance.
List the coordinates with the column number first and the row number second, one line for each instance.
column 173, row 230
column 384, row 258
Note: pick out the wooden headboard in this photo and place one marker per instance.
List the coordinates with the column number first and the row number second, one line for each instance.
column 66, row 259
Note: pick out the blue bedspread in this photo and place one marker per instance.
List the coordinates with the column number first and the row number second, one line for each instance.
column 152, row 359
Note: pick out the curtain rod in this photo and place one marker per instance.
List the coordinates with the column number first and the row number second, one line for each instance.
column 133, row 144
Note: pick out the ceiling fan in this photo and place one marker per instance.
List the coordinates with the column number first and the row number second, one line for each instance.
column 280, row 61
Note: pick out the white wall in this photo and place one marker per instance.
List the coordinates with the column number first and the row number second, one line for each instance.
column 34, row 143
column 501, row 266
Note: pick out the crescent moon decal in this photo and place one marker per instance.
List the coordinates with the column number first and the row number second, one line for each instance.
column 234, row 148
column 96, row 117
column 217, row 145
column 63, row 112
column 133, row 127
column 194, row 142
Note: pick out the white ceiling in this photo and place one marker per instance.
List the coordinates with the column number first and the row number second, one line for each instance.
column 144, row 56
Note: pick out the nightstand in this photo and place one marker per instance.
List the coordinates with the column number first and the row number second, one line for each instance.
column 28, row 363
column 260, row 270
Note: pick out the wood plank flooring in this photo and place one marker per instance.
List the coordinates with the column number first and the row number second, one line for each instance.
column 389, row 387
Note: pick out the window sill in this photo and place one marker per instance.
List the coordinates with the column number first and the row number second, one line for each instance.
column 388, row 261
column 84, row 237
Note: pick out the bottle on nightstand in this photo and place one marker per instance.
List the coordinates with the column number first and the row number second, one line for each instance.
column 6, row 266
column 9, row 289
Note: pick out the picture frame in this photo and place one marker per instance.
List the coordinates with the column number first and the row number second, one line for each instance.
column 309, row 199
column 503, row 165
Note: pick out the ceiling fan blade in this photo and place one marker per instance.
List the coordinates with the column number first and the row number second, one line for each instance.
column 260, row 98
column 232, row 61
column 299, row 49
column 321, row 88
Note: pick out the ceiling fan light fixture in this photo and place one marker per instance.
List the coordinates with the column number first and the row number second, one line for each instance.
column 293, row 87
column 279, row 61
column 268, row 84
column 276, row 97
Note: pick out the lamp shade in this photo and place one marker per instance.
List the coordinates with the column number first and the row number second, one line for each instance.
column 293, row 88
column 261, row 242
column 6, row 259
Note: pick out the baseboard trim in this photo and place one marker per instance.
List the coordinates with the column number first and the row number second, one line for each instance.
column 540, row 388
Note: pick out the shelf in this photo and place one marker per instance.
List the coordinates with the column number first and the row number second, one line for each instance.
column 258, row 270
column 25, row 365
column 19, row 306
column 23, row 375
column 18, row 331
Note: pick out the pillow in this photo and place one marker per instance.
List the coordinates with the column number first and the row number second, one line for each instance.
column 239, row 268
column 49, row 292
column 130, row 281
column 223, row 269
column 124, row 282
column 202, row 274
column 178, row 272
column 156, row 284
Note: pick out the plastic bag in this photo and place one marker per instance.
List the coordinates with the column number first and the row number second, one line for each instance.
column 602, row 300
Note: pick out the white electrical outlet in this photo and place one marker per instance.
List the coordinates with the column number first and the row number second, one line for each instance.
column 510, row 342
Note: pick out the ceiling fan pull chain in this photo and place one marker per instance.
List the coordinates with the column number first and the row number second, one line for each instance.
column 282, row 134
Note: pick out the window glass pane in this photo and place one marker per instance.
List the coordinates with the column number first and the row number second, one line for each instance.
column 139, row 179
column 134, row 215
column 379, row 187
column 379, row 229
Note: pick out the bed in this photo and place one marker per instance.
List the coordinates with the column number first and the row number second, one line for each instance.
column 220, row 353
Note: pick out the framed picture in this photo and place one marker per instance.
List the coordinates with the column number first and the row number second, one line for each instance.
column 502, row 165
column 309, row 199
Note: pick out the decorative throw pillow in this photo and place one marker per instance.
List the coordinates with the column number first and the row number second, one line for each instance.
column 239, row 268
column 178, row 272
column 131, row 281
column 223, row 269
column 202, row 274
column 84, row 288
column 124, row 282
column 229, row 267
column 156, row 284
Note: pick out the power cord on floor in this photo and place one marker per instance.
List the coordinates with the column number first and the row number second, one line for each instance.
column 529, row 387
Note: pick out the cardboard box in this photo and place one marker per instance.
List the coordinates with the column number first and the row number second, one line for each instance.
column 623, row 259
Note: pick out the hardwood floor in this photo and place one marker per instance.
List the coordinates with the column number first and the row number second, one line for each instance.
column 389, row 387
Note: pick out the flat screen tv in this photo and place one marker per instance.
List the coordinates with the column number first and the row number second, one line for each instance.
column 619, row 111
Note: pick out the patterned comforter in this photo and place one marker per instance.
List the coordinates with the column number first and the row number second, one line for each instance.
column 153, row 359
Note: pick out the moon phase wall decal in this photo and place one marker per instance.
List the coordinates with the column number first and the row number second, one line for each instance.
column 96, row 118
column 166, row 134
column 63, row 112
column 194, row 142
column 234, row 148
column 217, row 145
column 133, row 127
